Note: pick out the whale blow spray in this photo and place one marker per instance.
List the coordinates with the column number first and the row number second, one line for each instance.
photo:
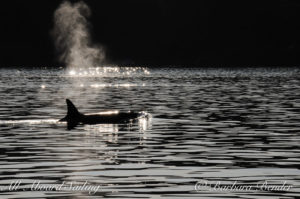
column 72, row 37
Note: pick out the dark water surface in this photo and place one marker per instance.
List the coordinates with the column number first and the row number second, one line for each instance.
column 207, row 125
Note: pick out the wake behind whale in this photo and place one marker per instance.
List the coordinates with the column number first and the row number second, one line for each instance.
column 74, row 117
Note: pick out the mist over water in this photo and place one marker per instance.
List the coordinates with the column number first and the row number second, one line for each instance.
column 72, row 37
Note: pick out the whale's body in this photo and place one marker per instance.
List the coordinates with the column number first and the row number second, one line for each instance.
column 74, row 117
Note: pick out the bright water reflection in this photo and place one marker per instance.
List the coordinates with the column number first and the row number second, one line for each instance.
column 212, row 124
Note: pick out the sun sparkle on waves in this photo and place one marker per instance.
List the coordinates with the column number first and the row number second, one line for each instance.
column 107, row 71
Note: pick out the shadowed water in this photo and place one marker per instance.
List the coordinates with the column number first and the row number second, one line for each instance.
column 206, row 124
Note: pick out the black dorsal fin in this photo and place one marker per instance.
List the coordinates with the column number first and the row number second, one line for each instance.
column 72, row 110
column 73, row 116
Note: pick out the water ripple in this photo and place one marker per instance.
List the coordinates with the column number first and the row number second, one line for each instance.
column 206, row 124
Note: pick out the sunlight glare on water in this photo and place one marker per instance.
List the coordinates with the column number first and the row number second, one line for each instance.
column 107, row 71
column 211, row 124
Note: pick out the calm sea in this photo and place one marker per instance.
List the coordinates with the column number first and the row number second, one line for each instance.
column 214, row 126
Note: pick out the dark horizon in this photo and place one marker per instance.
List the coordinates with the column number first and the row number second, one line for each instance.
column 162, row 32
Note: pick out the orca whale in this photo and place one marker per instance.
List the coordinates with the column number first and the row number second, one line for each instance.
column 74, row 117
